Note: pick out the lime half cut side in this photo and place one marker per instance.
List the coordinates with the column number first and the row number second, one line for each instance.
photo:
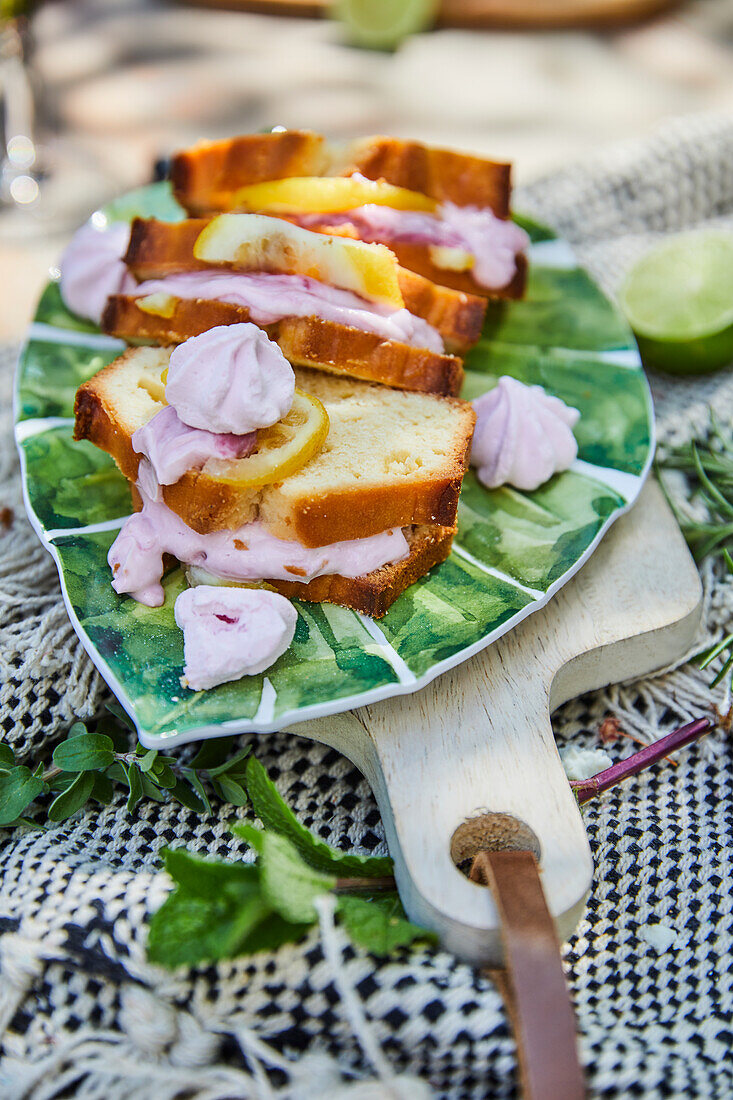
column 679, row 301
column 384, row 24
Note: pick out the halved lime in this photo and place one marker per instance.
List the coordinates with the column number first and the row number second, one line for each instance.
column 679, row 302
column 383, row 24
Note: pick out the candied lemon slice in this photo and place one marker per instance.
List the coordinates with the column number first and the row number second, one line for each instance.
column 326, row 195
column 256, row 242
column 282, row 449
column 160, row 304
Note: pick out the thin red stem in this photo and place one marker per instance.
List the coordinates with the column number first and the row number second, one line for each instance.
column 585, row 789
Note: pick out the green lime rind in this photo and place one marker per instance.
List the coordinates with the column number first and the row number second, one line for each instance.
column 701, row 356
column 679, row 301
column 384, row 24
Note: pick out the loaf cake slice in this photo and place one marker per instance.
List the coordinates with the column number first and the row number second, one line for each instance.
column 391, row 458
column 218, row 177
column 304, row 341
column 158, row 249
column 206, row 177
column 371, row 594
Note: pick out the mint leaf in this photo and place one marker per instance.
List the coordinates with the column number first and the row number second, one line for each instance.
column 288, row 883
column 189, row 929
column 206, row 878
column 18, row 788
column 73, row 798
column 275, row 814
column 76, row 729
column 84, row 752
column 379, row 924
column 7, row 756
column 270, row 934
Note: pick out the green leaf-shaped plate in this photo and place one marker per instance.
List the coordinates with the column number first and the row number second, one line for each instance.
column 513, row 550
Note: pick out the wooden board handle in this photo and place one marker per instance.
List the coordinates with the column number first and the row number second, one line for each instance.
column 474, row 751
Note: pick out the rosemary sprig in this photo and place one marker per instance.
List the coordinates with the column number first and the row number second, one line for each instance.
column 709, row 469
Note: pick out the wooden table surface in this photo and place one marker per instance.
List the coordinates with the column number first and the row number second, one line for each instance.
column 128, row 82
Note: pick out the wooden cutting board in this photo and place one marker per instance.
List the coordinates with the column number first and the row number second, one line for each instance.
column 470, row 761
column 482, row 13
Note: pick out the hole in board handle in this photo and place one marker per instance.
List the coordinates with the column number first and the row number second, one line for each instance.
column 491, row 832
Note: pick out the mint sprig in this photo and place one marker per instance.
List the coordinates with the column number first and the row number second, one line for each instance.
column 222, row 909
column 274, row 813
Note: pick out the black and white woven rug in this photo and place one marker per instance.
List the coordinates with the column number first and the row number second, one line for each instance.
column 82, row 1014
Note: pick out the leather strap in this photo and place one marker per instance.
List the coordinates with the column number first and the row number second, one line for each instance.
column 533, row 984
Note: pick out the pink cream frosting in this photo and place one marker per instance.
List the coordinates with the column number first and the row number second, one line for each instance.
column 249, row 553
column 523, row 435
column 270, row 297
column 493, row 242
column 172, row 447
column 232, row 379
column 92, row 268
column 231, row 632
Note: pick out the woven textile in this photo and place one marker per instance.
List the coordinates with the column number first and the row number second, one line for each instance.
column 81, row 1012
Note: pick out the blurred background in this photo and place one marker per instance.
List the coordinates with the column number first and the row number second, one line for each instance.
column 117, row 85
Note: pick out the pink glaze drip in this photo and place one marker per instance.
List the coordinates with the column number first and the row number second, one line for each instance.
column 522, row 437
column 270, row 297
column 231, row 632
column 92, row 268
column 494, row 242
column 172, row 447
column 249, row 553
column 232, row 379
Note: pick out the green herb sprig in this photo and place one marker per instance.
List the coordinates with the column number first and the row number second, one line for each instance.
column 89, row 765
column 709, row 470
column 218, row 909
column 221, row 909
column 709, row 467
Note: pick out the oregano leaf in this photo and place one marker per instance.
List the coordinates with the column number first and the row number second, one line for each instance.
column 135, row 780
column 102, row 791
column 84, row 752
column 199, row 790
column 212, row 753
column 73, row 798
column 119, row 712
column 150, row 787
column 184, row 793
column 147, row 760
column 231, row 791
column 229, row 764
column 275, row 814
column 18, row 788
column 162, row 774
